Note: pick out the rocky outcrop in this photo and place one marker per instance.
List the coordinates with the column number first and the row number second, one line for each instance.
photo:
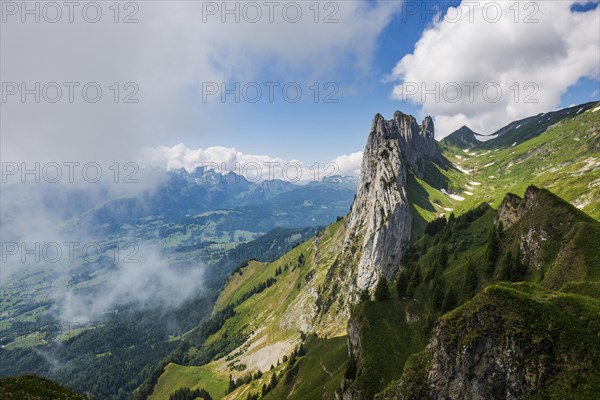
column 508, row 344
column 380, row 220
column 492, row 366
column 513, row 207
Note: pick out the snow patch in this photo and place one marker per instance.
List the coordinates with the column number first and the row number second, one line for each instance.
column 475, row 183
column 596, row 109
column 514, row 144
column 470, row 187
column 464, row 171
column 489, row 165
column 468, row 193
column 452, row 196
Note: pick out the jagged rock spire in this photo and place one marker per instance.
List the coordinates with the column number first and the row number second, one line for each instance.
column 380, row 220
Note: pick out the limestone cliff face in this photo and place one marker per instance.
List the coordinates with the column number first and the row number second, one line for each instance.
column 380, row 220
column 511, row 342
column 493, row 365
column 531, row 240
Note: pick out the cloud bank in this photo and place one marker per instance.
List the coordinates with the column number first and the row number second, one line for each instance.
column 533, row 51
column 252, row 166
column 172, row 49
column 148, row 283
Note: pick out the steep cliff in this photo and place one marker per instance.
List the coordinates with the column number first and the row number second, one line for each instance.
column 380, row 220
column 513, row 341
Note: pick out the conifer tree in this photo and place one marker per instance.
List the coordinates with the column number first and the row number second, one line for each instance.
column 402, row 283
column 382, row 292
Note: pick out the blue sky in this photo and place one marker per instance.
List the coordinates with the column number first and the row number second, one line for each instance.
column 317, row 132
column 376, row 53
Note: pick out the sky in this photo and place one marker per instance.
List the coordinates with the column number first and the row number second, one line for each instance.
column 175, row 84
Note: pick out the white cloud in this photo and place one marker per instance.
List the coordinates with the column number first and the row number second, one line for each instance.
column 148, row 283
column 349, row 164
column 169, row 53
column 252, row 166
column 552, row 53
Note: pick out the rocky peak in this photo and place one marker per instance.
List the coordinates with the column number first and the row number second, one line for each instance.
column 380, row 220
column 513, row 207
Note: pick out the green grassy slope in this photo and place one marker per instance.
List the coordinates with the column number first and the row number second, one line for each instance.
column 318, row 374
column 271, row 306
column 565, row 159
column 31, row 387
column 177, row 376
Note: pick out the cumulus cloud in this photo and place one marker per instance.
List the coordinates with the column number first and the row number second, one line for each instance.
column 349, row 164
column 252, row 166
column 533, row 56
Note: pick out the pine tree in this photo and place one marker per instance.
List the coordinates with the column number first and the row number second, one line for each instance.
column 273, row 382
column 443, row 259
column 435, row 266
column 470, row 280
column 382, row 291
column 402, row 283
column 451, row 219
column 449, row 302
column 231, row 387
column 491, row 251
column 437, row 295
column 364, row 295
column 506, row 267
column 520, row 268
column 415, row 279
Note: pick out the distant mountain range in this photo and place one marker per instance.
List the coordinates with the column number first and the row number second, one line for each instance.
column 187, row 195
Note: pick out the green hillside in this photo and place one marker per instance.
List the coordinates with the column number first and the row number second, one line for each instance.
column 31, row 387
column 556, row 329
column 244, row 334
column 564, row 158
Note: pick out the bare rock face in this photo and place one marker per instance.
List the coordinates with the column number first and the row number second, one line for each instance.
column 511, row 342
column 380, row 220
column 513, row 207
column 492, row 366
column 510, row 211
